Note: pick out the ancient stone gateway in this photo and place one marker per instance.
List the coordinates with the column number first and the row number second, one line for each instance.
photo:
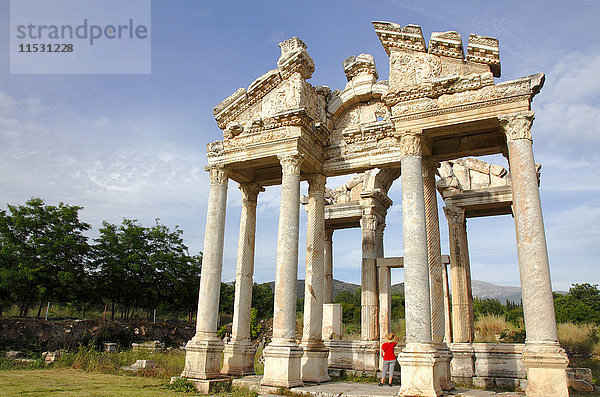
column 437, row 106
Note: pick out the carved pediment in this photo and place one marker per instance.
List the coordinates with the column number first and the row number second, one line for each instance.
column 277, row 92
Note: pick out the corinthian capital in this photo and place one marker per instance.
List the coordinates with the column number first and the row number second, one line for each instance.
column 455, row 215
column 250, row 192
column 517, row 125
column 290, row 162
column 368, row 222
column 316, row 183
column 411, row 144
column 218, row 175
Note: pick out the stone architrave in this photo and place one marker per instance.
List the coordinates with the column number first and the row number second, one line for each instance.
column 328, row 271
column 543, row 357
column 314, row 358
column 238, row 355
column 418, row 359
column 436, row 287
column 460, row 274
column 203, row 351
column 283, row 355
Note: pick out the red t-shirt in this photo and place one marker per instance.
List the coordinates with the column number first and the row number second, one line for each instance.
column 388, row 351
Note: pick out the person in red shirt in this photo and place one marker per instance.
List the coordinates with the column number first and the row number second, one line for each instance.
column 389, row 357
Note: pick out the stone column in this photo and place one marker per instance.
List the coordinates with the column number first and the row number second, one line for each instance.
column 419, row 357
column 460, row 274
column 436, row 288
column 385, row 301
column 328, row 276
column 463, row 363
column 314, row 358
column 447, row 305
column 238, row 355
column 203, row 351
column 369, row 293
column 543, row 357
column 282, row 355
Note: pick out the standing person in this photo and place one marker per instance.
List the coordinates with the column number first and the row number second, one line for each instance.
column 389, row 357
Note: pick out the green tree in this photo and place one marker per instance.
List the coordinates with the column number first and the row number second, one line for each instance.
column 43, row 253
column 350, row 302
column 580, row 305
column 140, row 266
column 484, row 306
column 262, row 300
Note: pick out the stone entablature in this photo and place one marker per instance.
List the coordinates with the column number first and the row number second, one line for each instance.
column 434, row 91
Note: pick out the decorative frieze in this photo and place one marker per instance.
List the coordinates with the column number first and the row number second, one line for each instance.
column 447, row 44
column 484, row 49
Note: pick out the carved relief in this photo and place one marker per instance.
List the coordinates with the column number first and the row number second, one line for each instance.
column 411, row 144
column 517, row 125
column 368, row 222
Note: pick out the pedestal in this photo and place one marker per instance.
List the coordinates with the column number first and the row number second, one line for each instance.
column 546, row 365
column 203, row 359
column 238, row 359
column 418, row 364
column 283, row 369
column 313, row 365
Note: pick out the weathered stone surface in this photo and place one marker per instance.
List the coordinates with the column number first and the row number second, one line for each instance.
column 439, row 104
column 333, row 328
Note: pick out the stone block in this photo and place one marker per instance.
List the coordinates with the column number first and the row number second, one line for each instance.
column 580, row 379
column 203, row 359
column 479, row 180
column 477, row 165
column 333, row 328
column 282, row 366
column 417, row 365
column 497, row 170
column 508, row 383
column 110, row 347
column 313, row 365
column 209, row 386
column 462, row 173
column 238, row 359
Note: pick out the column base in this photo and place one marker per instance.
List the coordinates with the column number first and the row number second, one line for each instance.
column 313, row 365
column 417, row 363
column 282, row 365
column 546, row 364
column 462, row 367
column 203, row 358
column 238, row 358
column 442, row 366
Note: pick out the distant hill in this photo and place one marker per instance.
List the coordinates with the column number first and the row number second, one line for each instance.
column 481, row 289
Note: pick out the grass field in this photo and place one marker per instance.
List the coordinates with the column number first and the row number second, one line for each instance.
column 70, row 382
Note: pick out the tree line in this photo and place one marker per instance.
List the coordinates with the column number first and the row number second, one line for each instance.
column 45, row 256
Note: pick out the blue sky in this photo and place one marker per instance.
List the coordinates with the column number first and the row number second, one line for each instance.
column 135, row 145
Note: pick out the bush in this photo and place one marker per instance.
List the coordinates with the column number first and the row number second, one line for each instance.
column 182, row 385
column 491, row 328
column 578, row 338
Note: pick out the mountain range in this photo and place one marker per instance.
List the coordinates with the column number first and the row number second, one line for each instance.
column 481, row 289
